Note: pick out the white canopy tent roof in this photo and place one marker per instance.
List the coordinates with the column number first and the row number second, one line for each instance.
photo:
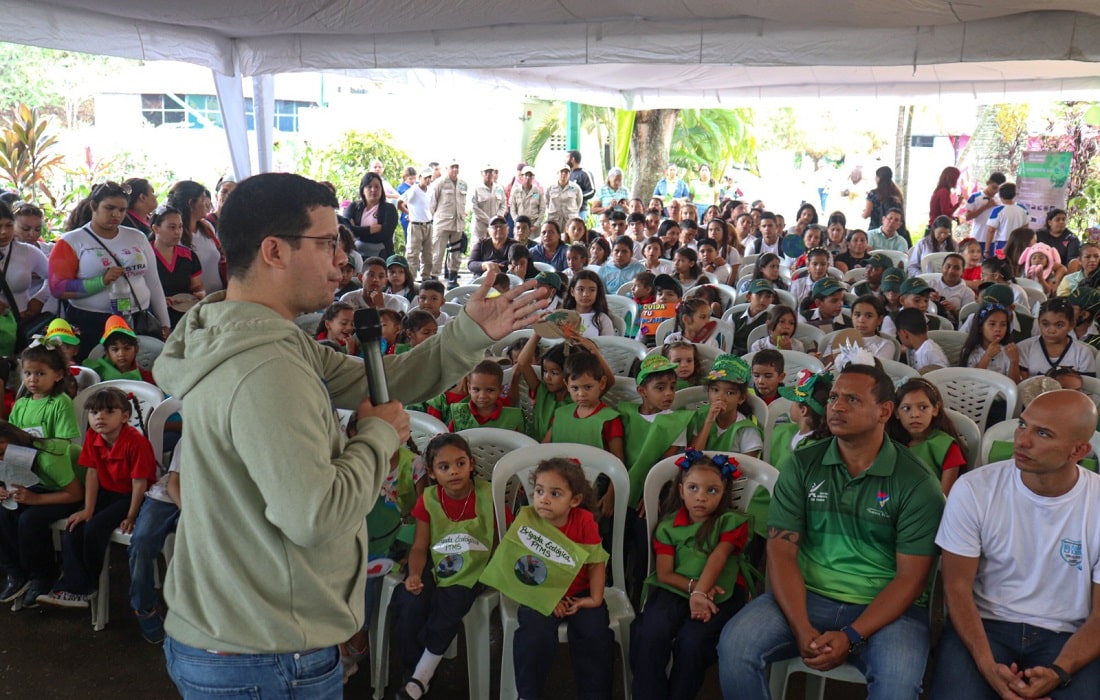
column 626, row 53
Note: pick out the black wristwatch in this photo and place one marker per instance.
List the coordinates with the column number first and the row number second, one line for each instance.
column 1064, row 679
column 856, row 641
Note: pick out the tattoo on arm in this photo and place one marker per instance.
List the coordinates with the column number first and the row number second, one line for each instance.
column 791, row 536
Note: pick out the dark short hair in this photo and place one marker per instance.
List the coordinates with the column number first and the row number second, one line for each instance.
column 635, row 218
column 911, row 320
column 997, row 177
column 767, row 215
column 1007, row 191
column 770, row 357
column 891, row 210
column 624, row 240
column 491, row 368
column 433, row 286
column 619, row 215
column 883, row 388
column 580, row 363
column 523, row 219
column 261, row 206
column 575, row 155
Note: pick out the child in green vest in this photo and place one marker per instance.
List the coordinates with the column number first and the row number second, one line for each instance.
column 548, row 392
column 589, row 421
column 556, row 589
column 721, row 425
column 45, row 410
column 454, row 538
column 768, row 374
column 921, row 422
column 417, row 326
column 697, row 586
column 486, row 407
column 809, row 397
column 120, row 360
column 689, row 366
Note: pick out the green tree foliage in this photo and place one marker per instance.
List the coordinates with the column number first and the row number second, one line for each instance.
column 58, row 83
column 719, row 138
column 594, row 120
column 346, row 161
column 27, row 153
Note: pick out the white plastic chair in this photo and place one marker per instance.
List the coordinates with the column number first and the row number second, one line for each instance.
column 424, row 427
column 488, row 445
column 460, row 295
column 544, row 343
column 148, row 397
column 621, row 307
column 1034, row 297
column 544, row 267
column 778, row 412
column 1028, row 283
column 623, row 390
column 624, row 290
column 619, row 325
column 595, row 462
column 734, row 312
column 451, row 308
column 951, row 342
column 85, row 377
column 623, row 355
column 933, row 262
column 1005, row 431
column 307, row 322
column 899, row 258
column 971, row 437
column 514, row 279
column 856, row 274
column 968, row 309
column 827, row 342
column 1091, row 387
column 899, row 372
column 793, row 363
column 690, row 398
column 783, row 296
column 971, row 391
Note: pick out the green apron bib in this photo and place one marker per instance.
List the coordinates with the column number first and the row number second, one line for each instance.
column 725, row 441
column 690, row 560
column 9, row 333
column 545, row 405
column 509, row 419
column 584, row 431
column 460, row 549
column 536, row 563
column 932, row 452
column 646, row 442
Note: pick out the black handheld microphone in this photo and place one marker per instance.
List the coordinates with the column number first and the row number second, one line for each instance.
column 368, row 329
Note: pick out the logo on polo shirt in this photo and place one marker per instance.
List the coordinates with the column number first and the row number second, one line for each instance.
column 883, row 499
column 816, row 495
column 1071, row 553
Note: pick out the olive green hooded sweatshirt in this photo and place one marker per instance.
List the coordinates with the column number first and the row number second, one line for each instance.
column 271, row 550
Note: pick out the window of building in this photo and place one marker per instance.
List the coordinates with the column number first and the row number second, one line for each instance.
column 200, row 111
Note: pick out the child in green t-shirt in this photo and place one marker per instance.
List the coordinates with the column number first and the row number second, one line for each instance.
column 46, row 409
column 120, row 359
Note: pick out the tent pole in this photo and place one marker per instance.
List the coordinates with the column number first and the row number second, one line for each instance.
column 572, row 125
column 263, row 104
column 231, row 103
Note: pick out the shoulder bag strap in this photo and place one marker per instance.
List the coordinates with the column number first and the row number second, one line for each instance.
column 8, row 294
column 118, row 262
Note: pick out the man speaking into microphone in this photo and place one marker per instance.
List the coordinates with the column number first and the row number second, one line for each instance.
column 271, row 551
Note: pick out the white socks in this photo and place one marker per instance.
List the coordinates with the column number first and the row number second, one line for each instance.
column 425, row 669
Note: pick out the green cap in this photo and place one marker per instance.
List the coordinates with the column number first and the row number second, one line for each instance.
column 549, row 278
column 999, row 294
column 880, row 260
column 1084, row 297
column 729, row 368
column 892, row 279
column 654, row 364
column 761, row 285
column 397, row 260
column 826, row 286
column 915, row 285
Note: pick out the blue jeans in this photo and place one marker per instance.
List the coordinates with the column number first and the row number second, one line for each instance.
column 200, row 674
column 155, row 521
column 893, row 660
column 957, row 676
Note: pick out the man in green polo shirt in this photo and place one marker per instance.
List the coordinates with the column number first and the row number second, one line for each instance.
column 851, row 544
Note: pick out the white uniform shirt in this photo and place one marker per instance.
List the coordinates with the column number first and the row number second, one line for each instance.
column 1005, row 218
column 1038, row 557
column 1034, row 360
column 975, row 202
column 927, row 355
column 419, row 202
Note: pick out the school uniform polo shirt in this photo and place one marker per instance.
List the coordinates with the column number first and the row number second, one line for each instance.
column 852, row 528
column 131, row 457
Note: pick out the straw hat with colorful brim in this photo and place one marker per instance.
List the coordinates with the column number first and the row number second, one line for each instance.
column 892, row 279
column 826, row 286
column 761, row 285
column 116, row 324
column 1087, row 298
column 654, row 364
column 999, row 294
column 880, row 260
column 59, row 328
column 729, row 368
column 793, row 246
column 552, row 279
column 915, row 285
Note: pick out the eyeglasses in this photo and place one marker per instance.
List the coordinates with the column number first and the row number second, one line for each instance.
column 333, row 241
column 110, row 189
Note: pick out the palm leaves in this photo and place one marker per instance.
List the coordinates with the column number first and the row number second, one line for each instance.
column 26, row 157
column 719, row 138
column 597, row 120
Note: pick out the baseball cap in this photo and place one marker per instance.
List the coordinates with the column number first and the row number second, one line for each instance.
column 452, row 161
column 999, row 294
column 493, row 221
column 880, row 260
column 397, row 260
column 663, row 281
column 552, row 279
column 1085, row 297
column 761, row 285
column 565, row 169
column 825, row 287
column 490, row 167
column 915, row 285
column 653, row 365
column 892, row 279
column 527, row 170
